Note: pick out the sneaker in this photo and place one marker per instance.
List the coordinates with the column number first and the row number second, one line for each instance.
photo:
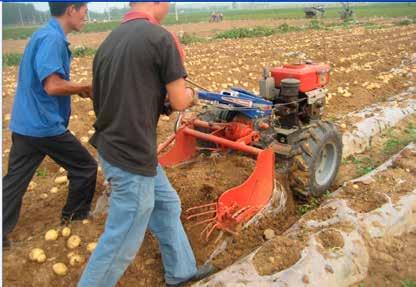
column 202, row 272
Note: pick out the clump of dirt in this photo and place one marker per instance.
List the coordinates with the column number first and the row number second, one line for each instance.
column 362, row 199
column 321, row 214
column 207, row 178
column 330, row 239
column 276, row 255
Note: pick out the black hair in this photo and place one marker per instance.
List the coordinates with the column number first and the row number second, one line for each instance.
column 58, row 8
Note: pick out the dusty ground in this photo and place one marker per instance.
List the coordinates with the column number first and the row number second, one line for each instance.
column 362, row 62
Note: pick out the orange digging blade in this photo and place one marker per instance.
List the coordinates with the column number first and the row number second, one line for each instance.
column 183, row 150
column 252, row 195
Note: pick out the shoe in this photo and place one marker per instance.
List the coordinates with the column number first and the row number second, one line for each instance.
column 202, row 272
column 66, row 219
column 7, row 243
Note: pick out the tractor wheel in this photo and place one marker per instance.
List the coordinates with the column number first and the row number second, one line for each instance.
column 316, row 167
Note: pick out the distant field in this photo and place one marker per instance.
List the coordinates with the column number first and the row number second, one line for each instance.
column 372, row 10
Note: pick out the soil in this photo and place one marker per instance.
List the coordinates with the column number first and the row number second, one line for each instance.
column 330, row 239
column 321, row 214
column 362, row 199
column 407, row 161
column 276, row 255
column 395, row 181
column 216, row 65
column 392, row 262
column 202, row 29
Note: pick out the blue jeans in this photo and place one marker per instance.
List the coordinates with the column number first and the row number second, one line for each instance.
column 137, row 203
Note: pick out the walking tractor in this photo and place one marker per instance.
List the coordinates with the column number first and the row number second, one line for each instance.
column 282, row 127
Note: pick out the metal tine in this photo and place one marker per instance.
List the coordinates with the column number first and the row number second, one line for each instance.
column 211, row 230
column 203, row 221
column 240, row 211
column 230, row 231
column 205, row 229
column 246, row 211
column 200, row 214
column 219, row 237
column 200, row 206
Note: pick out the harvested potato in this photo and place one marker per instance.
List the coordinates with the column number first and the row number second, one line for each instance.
column 164, row 118
column 38, row 255
column 54, row 190
column 73, row 242
column 76, row 260
column 66, row 231
column 41, row 258
column 61, row 179
column 70, row 254
column 60, row 269
column 91, row 246
column 32, row 185
column 51, row 235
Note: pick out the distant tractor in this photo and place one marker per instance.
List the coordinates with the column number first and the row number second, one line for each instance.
column 346, row 12
column 314, row 11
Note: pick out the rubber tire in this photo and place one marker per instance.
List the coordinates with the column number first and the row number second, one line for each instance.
column 302, row 178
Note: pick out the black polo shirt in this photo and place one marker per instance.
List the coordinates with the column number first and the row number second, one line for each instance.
column 130, row 72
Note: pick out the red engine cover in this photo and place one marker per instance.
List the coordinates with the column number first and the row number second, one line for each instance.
column 311, row 76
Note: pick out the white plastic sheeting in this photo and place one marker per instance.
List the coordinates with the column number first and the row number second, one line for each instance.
column 375, row 119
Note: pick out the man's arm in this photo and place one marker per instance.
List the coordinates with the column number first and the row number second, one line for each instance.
column 179, row 97
column 54, row 85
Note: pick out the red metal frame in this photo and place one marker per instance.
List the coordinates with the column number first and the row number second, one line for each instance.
column 240, row 203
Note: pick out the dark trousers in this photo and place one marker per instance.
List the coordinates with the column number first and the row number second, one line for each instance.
column 26, row 155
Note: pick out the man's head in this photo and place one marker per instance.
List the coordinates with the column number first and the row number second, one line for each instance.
column 158, row 10
column 72, row 14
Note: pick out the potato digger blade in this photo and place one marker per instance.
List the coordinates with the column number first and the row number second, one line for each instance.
column 239, row 204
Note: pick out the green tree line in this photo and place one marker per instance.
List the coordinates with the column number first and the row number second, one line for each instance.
column 22, row 14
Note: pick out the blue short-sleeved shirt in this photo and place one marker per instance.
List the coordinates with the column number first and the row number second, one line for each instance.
column 35, row 113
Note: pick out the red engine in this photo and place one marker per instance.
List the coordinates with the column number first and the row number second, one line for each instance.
column 311, row 76
column 296, row 92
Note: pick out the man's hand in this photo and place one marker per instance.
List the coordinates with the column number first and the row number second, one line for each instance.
column 190, row 93
column 87, row 92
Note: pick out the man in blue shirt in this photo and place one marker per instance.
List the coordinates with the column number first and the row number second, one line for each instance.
column 40, row 116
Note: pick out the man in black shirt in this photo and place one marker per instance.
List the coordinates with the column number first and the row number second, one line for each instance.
column 133, row 71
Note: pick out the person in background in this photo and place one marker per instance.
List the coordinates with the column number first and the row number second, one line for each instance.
column 134, row 69
column 40, row 116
